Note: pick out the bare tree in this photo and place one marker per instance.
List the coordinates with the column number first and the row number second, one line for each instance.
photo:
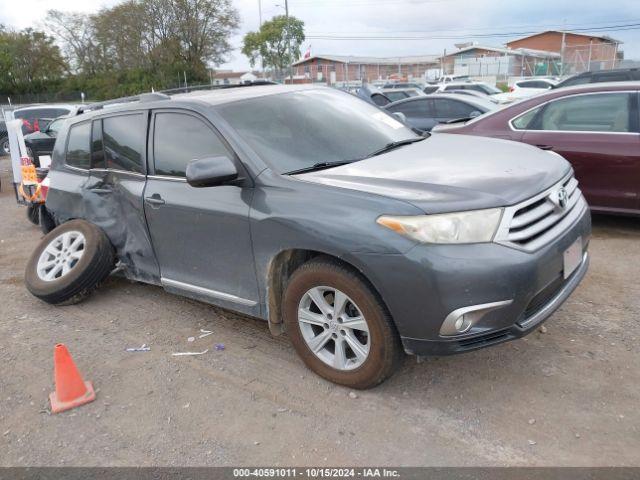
column 75, row 33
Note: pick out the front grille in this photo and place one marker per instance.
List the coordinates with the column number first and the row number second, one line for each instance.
column 535, row 222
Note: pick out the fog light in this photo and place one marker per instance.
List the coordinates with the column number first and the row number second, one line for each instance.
column 461, row 320
column 461, row 324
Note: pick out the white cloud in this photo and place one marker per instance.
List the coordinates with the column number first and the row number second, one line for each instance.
column 30, row 13
column 367, row 17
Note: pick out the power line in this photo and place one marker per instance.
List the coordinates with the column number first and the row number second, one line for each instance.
column 386, row 36
column 564, row 26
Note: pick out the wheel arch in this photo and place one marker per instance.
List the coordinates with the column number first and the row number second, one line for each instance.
column 282, row 267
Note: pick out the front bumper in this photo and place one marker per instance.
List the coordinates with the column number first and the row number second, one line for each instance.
column 429, row 282
column 554, row 298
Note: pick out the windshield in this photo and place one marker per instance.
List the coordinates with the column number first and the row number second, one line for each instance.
column 297, row 130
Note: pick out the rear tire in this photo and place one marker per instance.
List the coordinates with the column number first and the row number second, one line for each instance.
column 47, row 223
column 377, row 352
column 69, row 263
column 33, row 213
column 4, row 145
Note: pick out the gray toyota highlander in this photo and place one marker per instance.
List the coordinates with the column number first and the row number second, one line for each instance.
column 330, row 219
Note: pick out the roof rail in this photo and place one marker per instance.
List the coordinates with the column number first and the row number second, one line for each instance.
column 165, row 95
column 142, row 98
column 196, row 88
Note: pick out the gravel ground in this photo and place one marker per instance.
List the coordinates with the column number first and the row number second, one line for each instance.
column 569, row 396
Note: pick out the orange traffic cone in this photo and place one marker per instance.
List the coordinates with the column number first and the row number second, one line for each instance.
column 71, row 390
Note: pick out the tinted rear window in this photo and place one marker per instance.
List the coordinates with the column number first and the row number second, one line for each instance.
column 446, row 108
column 97, row 149
column 395, row 96
column 78, row 152
column 44, row 112
column 124, row 141
column 611, row 77
column 414, row 109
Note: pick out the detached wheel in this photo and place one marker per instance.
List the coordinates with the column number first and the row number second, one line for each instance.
column 33, row 213
column 339, row 326
column 69, row 263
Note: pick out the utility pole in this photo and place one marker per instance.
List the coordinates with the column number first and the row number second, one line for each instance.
column 286, row 13
column 562, row 53
column 260, row 20
column 615, row 56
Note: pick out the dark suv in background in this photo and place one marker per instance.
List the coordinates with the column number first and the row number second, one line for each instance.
column 318, row 212
column 600, row 76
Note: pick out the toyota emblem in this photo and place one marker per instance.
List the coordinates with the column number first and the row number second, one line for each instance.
column 563, row 198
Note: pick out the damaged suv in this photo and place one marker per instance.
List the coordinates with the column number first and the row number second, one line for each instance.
column 323, row 215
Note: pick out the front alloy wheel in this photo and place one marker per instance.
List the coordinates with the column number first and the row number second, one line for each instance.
column 334, row 328
column 338, row 324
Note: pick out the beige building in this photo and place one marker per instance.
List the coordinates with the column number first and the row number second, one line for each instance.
column 333, row 69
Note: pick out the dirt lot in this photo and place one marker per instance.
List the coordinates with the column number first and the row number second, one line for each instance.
column 566, row 397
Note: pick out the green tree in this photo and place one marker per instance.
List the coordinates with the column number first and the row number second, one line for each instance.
column 28, row 61
column 277, row 43
column 157, row 39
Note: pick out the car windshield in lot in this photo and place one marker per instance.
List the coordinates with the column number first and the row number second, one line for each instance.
column 299, row 130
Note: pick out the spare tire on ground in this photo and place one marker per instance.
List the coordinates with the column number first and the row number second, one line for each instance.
column 69, row 263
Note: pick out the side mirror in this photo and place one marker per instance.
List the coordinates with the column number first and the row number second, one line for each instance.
column 211, row 171
column 400, row 116
column 474, row 114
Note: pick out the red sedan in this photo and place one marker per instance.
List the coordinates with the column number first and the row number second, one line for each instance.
column 596, row 127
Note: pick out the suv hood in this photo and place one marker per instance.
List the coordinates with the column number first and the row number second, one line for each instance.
column 447, row 173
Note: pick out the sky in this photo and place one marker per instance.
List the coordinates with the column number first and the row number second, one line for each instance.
column 439, row 23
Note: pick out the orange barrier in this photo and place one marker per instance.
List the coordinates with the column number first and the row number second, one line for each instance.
column 71, row 390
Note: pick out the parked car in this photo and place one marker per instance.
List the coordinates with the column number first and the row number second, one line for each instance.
column 395, row 94
column 474, row 93
column 372, row 94
column 4, row 139
column 42, row 142
column 481, row 87
column 424, row 112
column 594, row 126
column 600, row 76
column 524, row 89
column 402, row 85
column 37, row 117
column 34, row 119
column 450, row 78
column 319, row 213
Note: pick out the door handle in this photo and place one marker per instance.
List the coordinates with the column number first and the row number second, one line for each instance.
column 101, row 190
column 155, row 199
column 545, row 147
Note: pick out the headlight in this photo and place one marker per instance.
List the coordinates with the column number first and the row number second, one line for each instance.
column 475, row 226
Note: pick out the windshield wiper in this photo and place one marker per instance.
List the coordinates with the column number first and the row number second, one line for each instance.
column 324, row 165
column 458, row 120
column 393, row 145
column 319, row 166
